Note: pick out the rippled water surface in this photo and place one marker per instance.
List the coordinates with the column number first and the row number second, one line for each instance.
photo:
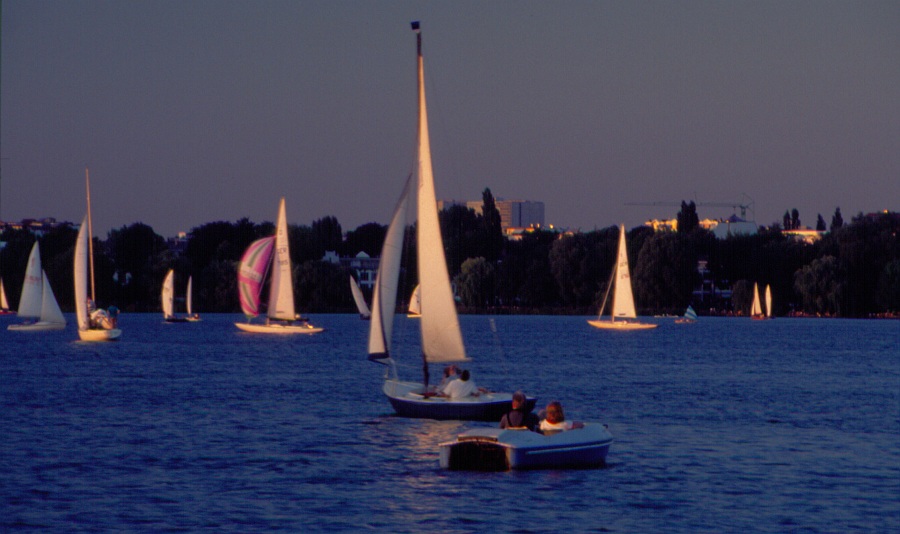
column 725, row 425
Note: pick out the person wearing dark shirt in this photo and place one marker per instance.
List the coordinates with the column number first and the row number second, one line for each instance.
column 520, row 416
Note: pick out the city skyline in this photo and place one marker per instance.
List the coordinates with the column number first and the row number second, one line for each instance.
column 206, row 111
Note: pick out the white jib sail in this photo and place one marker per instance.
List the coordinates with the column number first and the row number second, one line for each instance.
column 50, row 312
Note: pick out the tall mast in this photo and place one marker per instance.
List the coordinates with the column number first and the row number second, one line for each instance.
column 87, row 183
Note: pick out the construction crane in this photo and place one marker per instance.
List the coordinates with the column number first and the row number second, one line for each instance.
column 733, row 205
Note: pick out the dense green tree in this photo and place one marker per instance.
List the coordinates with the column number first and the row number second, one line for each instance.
column 687, row 219
column 367, row 238
column 837, row 221
column 820, row 286
column 820, row 224
column 137, row 253
column 327, row 236
column 492, row 230
column 461, row 229
column 321, row 286
column 476, row 283
column 665, row 273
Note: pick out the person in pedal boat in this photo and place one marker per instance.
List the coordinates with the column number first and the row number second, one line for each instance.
column 520, row 416
column 556, row 420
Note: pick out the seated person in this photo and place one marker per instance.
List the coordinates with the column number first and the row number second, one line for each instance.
column 520, row 416
column 461, row 387
column 451, row 373
column 556, row 420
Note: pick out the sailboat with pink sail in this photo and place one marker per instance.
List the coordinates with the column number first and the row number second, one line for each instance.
column 270, row 253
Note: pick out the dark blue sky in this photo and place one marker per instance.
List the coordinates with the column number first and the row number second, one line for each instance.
column 192, row 112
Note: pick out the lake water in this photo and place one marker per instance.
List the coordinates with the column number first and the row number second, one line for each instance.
column 791, row 425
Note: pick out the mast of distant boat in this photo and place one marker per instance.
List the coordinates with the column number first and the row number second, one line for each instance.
column 87, row 183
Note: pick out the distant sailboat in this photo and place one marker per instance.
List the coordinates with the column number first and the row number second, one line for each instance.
column 93, row 324
column 168, row 299
column 38, row 304
column 690, row 316
column 4, row 304
column 756, row 311
column 623, row 300
column 364, row 312
column 768, row 302
column 415, row 304
column 192, row 317
column 281, row 317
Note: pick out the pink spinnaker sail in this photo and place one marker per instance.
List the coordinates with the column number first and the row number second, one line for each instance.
column 254, row 264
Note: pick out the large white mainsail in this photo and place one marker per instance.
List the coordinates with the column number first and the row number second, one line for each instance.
column 168, row 295
column 188, row 297
column 623, row 298
column 81, row 277
column 281, row 291
column 441, row 336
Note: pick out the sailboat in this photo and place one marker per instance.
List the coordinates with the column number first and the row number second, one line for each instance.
column 756, row 311
column 93, row 324
column 415, row 304
column 690, row 316
column 623, row 299
column 364, row 312
column 192, row 317
column 37, row 303
column 168, row 299
column 440, row 332
column 4, row 304
column 281, row 317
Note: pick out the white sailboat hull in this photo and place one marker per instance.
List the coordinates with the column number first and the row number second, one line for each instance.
column 98, row 334
column 40, row 326
column 274, row 328
column 621, row 325
column 408, row 401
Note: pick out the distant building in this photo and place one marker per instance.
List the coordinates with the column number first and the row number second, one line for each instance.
column 807, row 235
column 38, row 227
column 513, row 213
column 363, row 266
column 721, row 228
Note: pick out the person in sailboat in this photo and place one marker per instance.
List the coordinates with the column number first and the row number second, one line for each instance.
column 555, row 419
column 520, row 416
column 451, row 373
column 461, row 387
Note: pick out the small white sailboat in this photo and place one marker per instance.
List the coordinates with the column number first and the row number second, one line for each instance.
column 281, row 317
column 192, row 317
column 440, row 332
column 768, row 302
column 4, row 303
column 690, row 316
column 168, row 299
column 93, row 324
column 623, row 310
column 756, row 311
column 364, row 312
column 37, row 304
column 415, row 304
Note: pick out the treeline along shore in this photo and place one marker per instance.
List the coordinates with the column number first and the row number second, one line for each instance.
column 852, row 271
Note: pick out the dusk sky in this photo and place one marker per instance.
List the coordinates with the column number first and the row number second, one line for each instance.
column 201, row 111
